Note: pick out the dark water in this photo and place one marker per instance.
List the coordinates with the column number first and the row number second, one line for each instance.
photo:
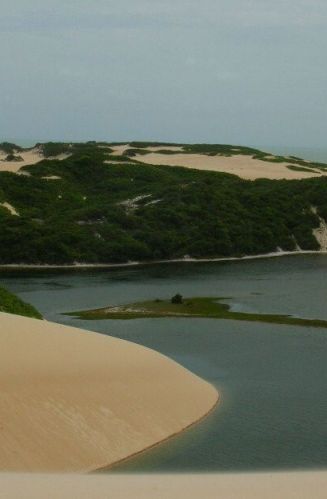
column 272, row 379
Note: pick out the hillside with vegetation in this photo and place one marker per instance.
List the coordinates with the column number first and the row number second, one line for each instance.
column 11, row 304
column 96, row 206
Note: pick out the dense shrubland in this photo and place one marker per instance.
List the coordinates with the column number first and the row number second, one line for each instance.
column 98, row 212
column 11, row 304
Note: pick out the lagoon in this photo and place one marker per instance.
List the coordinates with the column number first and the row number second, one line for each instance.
column 272, row 379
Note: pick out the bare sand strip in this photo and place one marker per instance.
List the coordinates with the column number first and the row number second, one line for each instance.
column 241, row 165
column 10, row 208
column 302, row 485
column 77, row 265
column 77, row 401
column 29, row 157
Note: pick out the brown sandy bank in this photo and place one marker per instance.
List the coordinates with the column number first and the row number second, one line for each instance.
column 76, row 401
column 302, row 485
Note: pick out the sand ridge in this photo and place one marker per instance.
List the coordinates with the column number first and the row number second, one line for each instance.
column 72, row 400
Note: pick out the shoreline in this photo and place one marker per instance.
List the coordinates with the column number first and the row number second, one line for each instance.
column 103, row 469
column 81, row 266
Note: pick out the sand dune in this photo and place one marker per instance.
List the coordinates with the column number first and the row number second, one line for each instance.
column 29, row 157
column 76, row 401
column 241, row 165
column 302, row 485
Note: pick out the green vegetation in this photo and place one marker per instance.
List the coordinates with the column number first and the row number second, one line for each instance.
column 300, row 168
column 9, row 148
column 11, row 304
column 211, row 308
column 177, row 299
column 51, row 149
column 221, row 149
column 13, row 157
column 113, row 213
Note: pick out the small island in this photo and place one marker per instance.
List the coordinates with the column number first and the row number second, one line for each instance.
column 197, row 307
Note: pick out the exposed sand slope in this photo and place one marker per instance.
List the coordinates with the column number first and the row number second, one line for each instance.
column 120, row 149
column 30, row 157
column 302, row 485
column 76, row 401
column 244, row 166
column 10, row 208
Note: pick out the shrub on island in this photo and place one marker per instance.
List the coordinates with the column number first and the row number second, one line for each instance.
column 177, row 299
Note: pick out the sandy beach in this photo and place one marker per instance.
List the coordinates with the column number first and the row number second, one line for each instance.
column 300, row 485
column 75, row 401
column 80, row 265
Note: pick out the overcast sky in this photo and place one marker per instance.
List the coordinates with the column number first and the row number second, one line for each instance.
column 225, row 71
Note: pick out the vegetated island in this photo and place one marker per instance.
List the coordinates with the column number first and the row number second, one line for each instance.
column 99, row 203
column 11, row 304
column 198, row 307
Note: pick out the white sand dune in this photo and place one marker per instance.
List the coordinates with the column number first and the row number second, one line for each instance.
column 30, row 157
column 76, row 401
column 241, row 165
column 302, row 485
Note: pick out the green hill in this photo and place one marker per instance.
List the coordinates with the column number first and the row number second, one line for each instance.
column 98, row 207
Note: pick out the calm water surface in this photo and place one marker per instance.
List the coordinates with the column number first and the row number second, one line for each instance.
column 272, row 379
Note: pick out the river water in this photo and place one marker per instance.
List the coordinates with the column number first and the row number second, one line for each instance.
column 272, row 379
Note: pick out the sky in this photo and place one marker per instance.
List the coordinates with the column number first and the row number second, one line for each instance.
column 248, row 72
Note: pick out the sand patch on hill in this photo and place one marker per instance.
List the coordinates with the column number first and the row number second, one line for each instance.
column 241, row 165
column 71, row 400
column 10, row 208
column 30, row 157
column 51, row 177
column 320, row 233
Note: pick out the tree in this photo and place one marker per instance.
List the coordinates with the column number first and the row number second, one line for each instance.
column 177, row 299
